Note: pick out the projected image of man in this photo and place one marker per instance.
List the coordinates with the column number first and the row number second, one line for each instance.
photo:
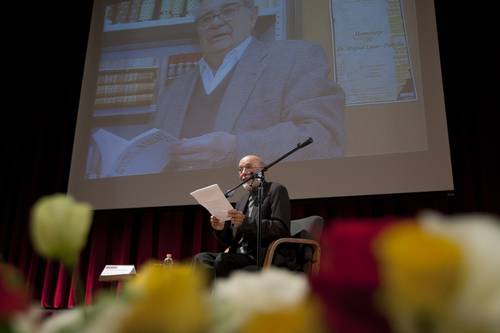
column 250, row 96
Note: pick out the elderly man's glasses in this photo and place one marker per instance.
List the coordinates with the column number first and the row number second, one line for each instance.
column 226, row 14
column 250, row 168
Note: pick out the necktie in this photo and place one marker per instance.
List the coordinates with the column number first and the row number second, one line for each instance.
column 251, row 204
column 250, row 207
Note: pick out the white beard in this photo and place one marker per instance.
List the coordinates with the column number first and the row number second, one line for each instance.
column 250, row 185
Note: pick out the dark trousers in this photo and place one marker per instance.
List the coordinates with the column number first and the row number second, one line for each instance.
column 221, row 264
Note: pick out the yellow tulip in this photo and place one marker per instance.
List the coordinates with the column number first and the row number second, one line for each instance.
column 303, row 317
column 166, row 299
column 420, row 274
column 59, row 227
column 476, row 306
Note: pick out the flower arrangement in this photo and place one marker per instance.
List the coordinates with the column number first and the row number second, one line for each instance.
column 441, row 274
column 432, row 274
column 173, row 299
column 162, row 298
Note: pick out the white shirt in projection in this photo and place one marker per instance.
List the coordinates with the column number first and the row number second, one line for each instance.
column 211, row 81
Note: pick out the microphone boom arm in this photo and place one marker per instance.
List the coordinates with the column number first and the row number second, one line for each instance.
column 299, row 146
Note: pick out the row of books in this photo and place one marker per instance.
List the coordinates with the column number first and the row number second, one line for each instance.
column 124, row 101
column 144, row 10
column 179, row 64
column 126, row 82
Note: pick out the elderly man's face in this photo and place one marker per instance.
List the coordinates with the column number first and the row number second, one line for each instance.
column 223, row 24
column 247, row 166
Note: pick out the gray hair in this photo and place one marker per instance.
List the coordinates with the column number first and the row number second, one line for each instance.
column 196, row 10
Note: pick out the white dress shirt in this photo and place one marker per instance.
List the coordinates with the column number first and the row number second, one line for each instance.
column 211, row 81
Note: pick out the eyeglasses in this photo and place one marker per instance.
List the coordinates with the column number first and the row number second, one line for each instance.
column 226, row 14
column 248, row 168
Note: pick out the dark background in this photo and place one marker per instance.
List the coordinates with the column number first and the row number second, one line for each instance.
column 44, row 58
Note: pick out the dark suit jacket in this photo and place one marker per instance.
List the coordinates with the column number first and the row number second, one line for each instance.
column 279, row 93
column 275, row 221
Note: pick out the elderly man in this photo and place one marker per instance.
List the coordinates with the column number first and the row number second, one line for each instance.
column 250, row 96
column 239, row 231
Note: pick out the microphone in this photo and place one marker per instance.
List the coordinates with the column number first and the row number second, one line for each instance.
column 305, row 143
column 251, row 177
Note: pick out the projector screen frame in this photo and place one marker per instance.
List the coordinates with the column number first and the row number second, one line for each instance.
column 420, row 170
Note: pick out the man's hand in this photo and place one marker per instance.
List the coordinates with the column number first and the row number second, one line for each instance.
column 216, row 223
column 209, row 150
column 236, row 217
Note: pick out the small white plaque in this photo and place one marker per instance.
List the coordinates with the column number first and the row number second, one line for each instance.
column 117, row 272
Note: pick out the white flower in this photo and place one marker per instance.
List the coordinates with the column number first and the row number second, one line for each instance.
column 64, row 321
column 108, row 317
column 477, row 303
column 59, row 227
column 243, row 294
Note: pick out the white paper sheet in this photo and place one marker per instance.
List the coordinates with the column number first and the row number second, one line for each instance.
column 212, row 198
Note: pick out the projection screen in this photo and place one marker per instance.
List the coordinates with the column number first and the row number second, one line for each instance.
column 362, row 78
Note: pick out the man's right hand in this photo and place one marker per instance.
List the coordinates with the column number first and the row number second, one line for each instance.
column 216, row 223
column 206, row 151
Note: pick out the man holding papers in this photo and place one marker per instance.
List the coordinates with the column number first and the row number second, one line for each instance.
column 240, row 228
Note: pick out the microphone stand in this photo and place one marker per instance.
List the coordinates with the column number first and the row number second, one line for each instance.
column 260, row 192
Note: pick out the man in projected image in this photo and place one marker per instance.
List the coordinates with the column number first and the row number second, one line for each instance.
column 239, row 231
column 250, row 96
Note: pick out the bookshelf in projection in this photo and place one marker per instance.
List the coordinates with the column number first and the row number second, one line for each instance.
column 129, row 84
column 126, row 83
column 142, row 14
column 145, row 45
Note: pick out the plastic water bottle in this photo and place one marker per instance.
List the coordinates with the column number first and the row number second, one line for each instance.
column 168, row 261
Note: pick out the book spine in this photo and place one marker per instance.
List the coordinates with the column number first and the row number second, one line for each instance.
column 190, row 5
column 122, row 10
column 135, row 8
column 177, row 7
column 165, row 9
column 110, row 14
column 147, row 11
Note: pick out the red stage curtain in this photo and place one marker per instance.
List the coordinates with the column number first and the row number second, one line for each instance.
column 133, row 236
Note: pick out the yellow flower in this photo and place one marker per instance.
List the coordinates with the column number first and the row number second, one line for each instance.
column 59, row 227
column 166, row 299
column 420, row 273
column 304, row 317
column 476, row 306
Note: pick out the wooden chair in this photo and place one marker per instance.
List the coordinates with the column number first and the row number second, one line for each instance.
column 302, row 251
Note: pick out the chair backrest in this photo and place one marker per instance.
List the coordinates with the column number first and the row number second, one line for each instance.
column 308, row 227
